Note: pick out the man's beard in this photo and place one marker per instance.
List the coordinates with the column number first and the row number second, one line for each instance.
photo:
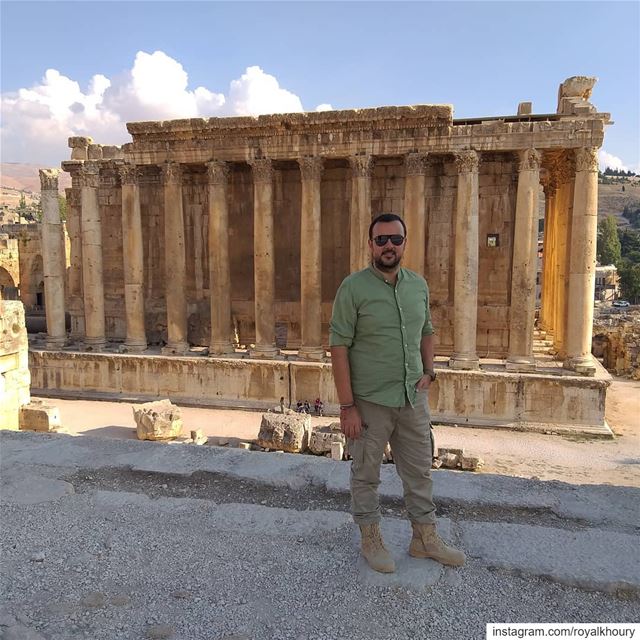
column 387, row 266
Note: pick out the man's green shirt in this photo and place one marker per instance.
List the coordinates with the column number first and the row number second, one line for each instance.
column 382, row 326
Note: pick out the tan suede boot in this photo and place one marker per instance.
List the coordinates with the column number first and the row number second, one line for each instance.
column 373, row 549
column 426, row 543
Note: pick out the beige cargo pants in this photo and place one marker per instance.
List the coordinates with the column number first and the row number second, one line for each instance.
column 407, row 430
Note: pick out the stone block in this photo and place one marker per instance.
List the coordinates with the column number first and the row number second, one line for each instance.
column 160, row 420
column 337, row 450
column 94, row 152
column 283, row 432
column 449, row 460
column 471, row 463
column 322, row 438
column 39, row 416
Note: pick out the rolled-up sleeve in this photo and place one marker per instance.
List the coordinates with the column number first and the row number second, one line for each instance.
column 427, row 328
column 343, row 318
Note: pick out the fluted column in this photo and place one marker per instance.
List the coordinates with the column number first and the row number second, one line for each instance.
column 53, row 259
column 582, row 264
column 175, row 261
column 92, row 274
column 525, row 262
column 465, row 294
column 133, row 260
column 361, row 171
column 563, row 254
column 219, row 271
column 311, row 260
column 414, row 211
column 264, row 259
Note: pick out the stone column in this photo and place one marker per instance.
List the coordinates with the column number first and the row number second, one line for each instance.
column 525, row 262
column 414, row 211
column 361, row 171
column 563, row 253
column 92, row 276
column 133, row 258
column 219, row 271
column 53, row 259
column 548, row 277
column 311, row 260
column 174, row 261
column 263, row 260
column 465, row 294
column 582, row 264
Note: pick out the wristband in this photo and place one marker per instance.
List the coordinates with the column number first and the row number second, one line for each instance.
column 343, row 407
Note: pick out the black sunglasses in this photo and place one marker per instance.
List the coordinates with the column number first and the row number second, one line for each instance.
column 396, row 239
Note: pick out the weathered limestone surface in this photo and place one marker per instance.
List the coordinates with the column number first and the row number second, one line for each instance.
column 322, row 438
column 159, row 420
column 617, row 341
column 285, row 432
column 14, row 371
column 39, row 416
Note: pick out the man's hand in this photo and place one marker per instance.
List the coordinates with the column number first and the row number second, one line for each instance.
column 351, row 423
column 424, row 383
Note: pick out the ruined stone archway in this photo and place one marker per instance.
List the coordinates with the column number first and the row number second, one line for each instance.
column 8, row 289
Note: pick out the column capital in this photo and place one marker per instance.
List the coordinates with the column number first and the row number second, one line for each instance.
column 587, row 159
column 218, row 172
column 361, row 166
column 311, row 167
column 89, row 175
column 414, row 163
column 550, row 189
column 467, row 161
column 529, row 160
column 128, row 174
column 171, row 173
column 262, row 169
column 49, row 179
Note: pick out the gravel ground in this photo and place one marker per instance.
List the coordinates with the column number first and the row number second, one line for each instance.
column 192, row 563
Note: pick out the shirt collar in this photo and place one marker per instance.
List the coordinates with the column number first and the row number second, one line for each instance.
column 380, row 275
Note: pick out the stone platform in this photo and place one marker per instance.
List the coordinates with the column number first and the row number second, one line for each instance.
column 548, row 400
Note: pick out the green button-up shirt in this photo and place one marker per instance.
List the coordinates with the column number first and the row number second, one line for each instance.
column 382, row 326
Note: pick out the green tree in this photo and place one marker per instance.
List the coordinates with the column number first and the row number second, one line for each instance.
column 608, row 249
column 630, row 281
column 62, row 203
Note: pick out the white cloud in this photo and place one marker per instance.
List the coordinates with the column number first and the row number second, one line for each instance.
column 324, row 107
column 608, row 160
column 37, row 121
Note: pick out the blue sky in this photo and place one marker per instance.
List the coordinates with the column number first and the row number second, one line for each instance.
column 482, row 57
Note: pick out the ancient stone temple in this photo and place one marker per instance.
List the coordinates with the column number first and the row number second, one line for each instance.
column 234, row 233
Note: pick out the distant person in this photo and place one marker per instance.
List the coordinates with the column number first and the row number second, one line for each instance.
column 307, row 407
column 382, row 352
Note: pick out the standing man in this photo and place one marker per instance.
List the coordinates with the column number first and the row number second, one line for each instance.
column 382, row 349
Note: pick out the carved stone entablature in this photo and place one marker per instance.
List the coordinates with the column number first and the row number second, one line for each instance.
column 171, row 173
column 262, row 169
column 560, row 166
column 587, row 159
column 467, row 161
column 49, row 179
column 311, row 167
column 361, row 166
column 529, row 160
column 128, row 174
column 415, row 163
column 89, row 175
column 218, row 172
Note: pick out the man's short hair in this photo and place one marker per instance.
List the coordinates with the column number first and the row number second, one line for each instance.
column 386, row 217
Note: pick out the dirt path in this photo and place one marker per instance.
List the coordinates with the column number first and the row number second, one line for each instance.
column 530, row 455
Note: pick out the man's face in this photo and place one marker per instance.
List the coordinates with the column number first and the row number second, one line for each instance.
column 388, row 256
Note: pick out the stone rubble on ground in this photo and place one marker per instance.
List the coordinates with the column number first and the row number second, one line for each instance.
column 159, row 420
column 285, row 432
column 322, row 438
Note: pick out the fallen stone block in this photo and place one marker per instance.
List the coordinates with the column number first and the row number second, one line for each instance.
column 449, row 460
column 471, row 463
column 337, row 450
column 39, row 416
column 285, row 432
column 197, row 437
column 160, row 420
column 322, row 438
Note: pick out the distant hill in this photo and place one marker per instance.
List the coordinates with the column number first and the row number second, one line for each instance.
column 612, row 199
